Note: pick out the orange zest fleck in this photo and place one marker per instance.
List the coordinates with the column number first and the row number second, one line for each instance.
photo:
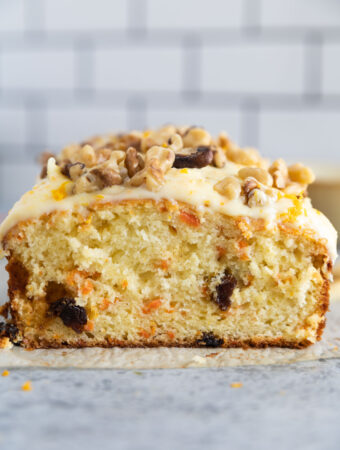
column 236, row 385
column 87, row 287
column 27, row 386
column 5, row 373
column 145, row 334
column 89, row 326
column 60, row 193
column 189, row 219
column 104, row 304
column 151, row 306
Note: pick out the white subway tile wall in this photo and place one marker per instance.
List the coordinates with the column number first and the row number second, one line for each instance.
column 267, row 71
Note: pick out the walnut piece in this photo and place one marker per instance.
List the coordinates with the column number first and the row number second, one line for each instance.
column 134, row 161
column 196, row 137
column 229, row 187
column 279, row 172
column 219, row 158
column 258, row 173
column 301, row 174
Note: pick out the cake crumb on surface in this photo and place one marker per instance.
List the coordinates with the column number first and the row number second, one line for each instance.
column 5, row 373
column 236, row 385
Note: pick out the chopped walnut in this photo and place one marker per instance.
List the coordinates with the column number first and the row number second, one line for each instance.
column 106, row 177
column 73, row 170
column 165, row 156
column 246, row 157
column 87, row 156
column 257, row 197
column 248, row 185
column 301, row 174
column 219, row 158
column 158, row 161
column 86, row 183
column 134, row 161
column 258, row 173
column 229, row 187
column 103, row 154
column 196, row 137
column 175, row 142
column 279, row 172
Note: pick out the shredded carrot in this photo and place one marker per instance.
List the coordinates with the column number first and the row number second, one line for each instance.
column 153, row 329
column 26, row 386
column 87, row 287
column 162, row 264
column 171, row 334
column 89, row 326
column 242, row 243
column 144, row 333
column 124, row 284
column 189, row 219
column 154, row 304
column 104, row 304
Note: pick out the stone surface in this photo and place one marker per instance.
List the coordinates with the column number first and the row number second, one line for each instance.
column 278, row 407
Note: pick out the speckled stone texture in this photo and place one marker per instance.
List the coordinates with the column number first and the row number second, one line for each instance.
column 278, row 407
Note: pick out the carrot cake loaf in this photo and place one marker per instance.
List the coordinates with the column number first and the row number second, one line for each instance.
column 167, row 238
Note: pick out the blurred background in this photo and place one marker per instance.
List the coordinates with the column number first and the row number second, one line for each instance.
column 266, row 71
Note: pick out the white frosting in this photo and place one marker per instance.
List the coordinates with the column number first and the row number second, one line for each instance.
column 192, row 186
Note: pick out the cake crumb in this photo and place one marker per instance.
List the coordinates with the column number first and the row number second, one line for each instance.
column 26, row 386
column 5, row 373
column 236, row 385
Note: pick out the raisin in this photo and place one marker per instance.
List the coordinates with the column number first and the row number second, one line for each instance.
column 224, row 291
column 210, row 340
column 9, row 330
column 72, row 315
column 202, row 157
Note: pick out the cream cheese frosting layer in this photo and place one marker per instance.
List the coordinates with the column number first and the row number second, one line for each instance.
column 192, row 186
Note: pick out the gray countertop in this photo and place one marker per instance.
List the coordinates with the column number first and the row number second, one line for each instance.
column 279, row 407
